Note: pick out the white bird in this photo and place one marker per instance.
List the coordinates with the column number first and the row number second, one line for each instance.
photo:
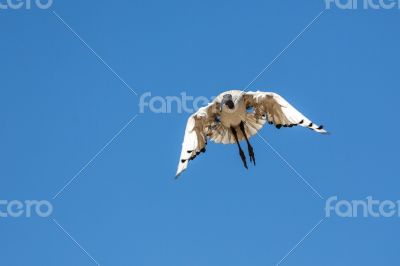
column 234, row 116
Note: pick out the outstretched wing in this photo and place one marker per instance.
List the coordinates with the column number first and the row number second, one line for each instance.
column 278, row 111
column 199, row 126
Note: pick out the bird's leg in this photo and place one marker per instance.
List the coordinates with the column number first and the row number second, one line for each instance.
column 250, row 148
column 242, row 156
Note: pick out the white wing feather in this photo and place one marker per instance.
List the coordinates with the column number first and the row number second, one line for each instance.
column 198, row 126
column 278, row 111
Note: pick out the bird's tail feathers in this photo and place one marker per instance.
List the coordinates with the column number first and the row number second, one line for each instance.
column 221, row 134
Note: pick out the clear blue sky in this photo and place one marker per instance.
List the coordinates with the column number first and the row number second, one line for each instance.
column 59, row 105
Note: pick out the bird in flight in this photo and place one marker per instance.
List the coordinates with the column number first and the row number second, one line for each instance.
column 234, row 116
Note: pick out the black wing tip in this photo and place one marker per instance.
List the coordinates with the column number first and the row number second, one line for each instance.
column 325, row 132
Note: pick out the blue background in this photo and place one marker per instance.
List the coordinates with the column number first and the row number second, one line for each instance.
column 59, row 105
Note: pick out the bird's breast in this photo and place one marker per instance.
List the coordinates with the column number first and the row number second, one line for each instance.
column 232, row 118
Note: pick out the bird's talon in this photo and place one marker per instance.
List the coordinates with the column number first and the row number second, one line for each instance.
column 251, row 155
column 243, row 157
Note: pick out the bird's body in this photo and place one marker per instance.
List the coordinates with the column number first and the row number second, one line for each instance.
column 234, row 116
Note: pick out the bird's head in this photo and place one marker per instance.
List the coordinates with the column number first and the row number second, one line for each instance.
column 227, row 101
